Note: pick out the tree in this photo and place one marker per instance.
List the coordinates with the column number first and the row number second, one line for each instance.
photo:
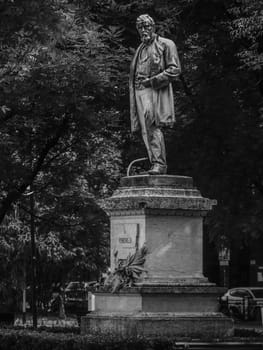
column 65, row 111
column 218, row 135
column 51, row 85
column 57, row 134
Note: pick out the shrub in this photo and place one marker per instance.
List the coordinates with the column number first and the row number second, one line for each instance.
column 35, row 340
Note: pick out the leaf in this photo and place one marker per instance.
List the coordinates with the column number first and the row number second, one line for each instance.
column 5, row 109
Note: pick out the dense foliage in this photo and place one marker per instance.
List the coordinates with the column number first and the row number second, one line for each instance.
column 11, row 339
column 64, row 122
column 57, row 142
column 218, row 135
column 126, row 272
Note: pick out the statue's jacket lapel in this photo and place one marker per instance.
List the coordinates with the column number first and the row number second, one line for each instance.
column 165, row 68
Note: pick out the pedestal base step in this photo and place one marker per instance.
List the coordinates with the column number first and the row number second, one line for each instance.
column 169, row 298
column 192, row 325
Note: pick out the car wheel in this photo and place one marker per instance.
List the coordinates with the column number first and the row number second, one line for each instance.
column 225, row 310
column 235, row 313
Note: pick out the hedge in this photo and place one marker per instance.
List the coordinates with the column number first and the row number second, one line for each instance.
column 37, row 340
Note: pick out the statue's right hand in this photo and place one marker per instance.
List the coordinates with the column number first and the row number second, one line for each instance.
column 146, row 83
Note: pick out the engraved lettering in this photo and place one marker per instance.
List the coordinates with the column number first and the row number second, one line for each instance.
column 125, row 240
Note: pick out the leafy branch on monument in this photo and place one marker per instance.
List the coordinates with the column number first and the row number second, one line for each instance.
column 127, row 272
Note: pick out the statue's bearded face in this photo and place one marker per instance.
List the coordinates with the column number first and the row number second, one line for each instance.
column 145, row 30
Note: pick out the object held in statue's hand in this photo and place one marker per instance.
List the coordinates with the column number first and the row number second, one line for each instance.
column 146, row 83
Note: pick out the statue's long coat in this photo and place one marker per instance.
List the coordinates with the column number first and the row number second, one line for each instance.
column 167, row 68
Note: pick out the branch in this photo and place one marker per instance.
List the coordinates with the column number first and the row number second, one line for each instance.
column 189, row 93
column 15, row 194
column 48, row 220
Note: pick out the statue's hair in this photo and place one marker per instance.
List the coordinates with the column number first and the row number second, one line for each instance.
column 145, row 18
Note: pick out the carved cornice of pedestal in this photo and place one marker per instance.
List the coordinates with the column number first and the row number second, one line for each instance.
column 158, row 195
column 166, row 203
column 124, row 192
column 158, row 212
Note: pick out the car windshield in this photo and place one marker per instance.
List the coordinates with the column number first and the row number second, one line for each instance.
column 258, row 293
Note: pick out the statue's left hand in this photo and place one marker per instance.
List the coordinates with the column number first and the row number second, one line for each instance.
column 146, row 83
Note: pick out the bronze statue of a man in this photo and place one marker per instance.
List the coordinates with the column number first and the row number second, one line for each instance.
column 155, row 65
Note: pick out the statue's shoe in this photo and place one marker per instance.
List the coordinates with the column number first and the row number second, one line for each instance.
column 158, row 169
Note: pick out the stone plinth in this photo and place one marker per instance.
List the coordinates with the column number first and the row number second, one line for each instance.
column 204, row 326
column 173, row 298
column 164, row 213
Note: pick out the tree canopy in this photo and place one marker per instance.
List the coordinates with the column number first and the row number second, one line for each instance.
column 64, row 119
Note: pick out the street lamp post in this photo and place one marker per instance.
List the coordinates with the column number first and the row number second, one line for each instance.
column 33, row 257
column 224, row 258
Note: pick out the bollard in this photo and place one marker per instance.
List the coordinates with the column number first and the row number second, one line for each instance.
column 91, row 302
column 245, row 303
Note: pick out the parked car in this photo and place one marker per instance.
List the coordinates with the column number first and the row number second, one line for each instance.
column 242, row 302
column 76, row 297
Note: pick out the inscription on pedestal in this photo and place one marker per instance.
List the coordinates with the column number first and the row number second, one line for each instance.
column 124, row 239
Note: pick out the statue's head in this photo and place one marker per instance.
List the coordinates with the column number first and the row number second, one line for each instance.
column 145, row 26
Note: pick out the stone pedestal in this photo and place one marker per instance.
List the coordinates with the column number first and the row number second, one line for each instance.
column 173, row 298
